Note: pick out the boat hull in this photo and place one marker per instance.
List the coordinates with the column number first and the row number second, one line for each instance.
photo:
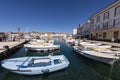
column 37, row 72
column 42, row 48
column 100, row 59
column 21, row 65
column 107, row 60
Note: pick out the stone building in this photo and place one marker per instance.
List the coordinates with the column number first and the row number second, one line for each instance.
column 105, row 24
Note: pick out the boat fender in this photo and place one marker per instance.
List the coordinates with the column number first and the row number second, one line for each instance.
column 45, row 71
column 6, row 47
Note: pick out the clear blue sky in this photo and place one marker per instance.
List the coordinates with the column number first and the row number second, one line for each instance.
column 47, row 15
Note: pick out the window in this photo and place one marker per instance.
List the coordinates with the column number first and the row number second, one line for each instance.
column 105, row 26
column 98, row 27
column 96, row 35
column 106, row 16
column 104, row 34
column 116, row 34
column 116, row 22
column 98, row 19
column 117, row 11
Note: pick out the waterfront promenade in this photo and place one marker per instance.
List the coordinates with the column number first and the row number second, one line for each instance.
column 10, row 46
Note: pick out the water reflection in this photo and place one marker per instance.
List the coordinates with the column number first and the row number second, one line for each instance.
column 32, row 53
column 109, row 72
column 52, row 76
column 80, row 68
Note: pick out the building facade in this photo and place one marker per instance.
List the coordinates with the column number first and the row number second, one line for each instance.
column 86, row 29
column 74, row 31
column 105, row 24
column 79, row 29
column 83, row 30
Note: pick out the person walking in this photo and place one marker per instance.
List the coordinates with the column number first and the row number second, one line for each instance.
column 112, row 39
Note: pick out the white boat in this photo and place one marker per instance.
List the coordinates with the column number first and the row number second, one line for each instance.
column 108, row 51
column 36, row 41
column 98, row 56
column 99, row 46
column 95, row 45
column 42, row 46
column 36, row 65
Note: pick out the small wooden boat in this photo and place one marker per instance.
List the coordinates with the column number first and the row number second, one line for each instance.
column 36, row 65
column 101, row 57
column 97, row 56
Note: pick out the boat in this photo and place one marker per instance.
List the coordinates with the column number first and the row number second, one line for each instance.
column 38, row 41
column 89, row 43
column 99, row 46
column 41, row 46
column 97, row 56
column 108, row 51
column 35, row 65
column 95, row 45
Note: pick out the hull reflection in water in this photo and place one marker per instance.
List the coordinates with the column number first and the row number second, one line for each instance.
column 32, row 53
column 52, row 76
column 109, row 72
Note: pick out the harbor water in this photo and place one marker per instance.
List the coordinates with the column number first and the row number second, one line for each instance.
column 80, row 68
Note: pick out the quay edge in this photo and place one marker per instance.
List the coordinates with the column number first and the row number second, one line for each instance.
column 5, row 53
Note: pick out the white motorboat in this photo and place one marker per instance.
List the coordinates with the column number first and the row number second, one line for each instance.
column 95, row 45
column 36, row 41
column 109, row 51
column 36, row 65
column 98, row 56
column 102, row 57
column 42, row 46
column 99, row 46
